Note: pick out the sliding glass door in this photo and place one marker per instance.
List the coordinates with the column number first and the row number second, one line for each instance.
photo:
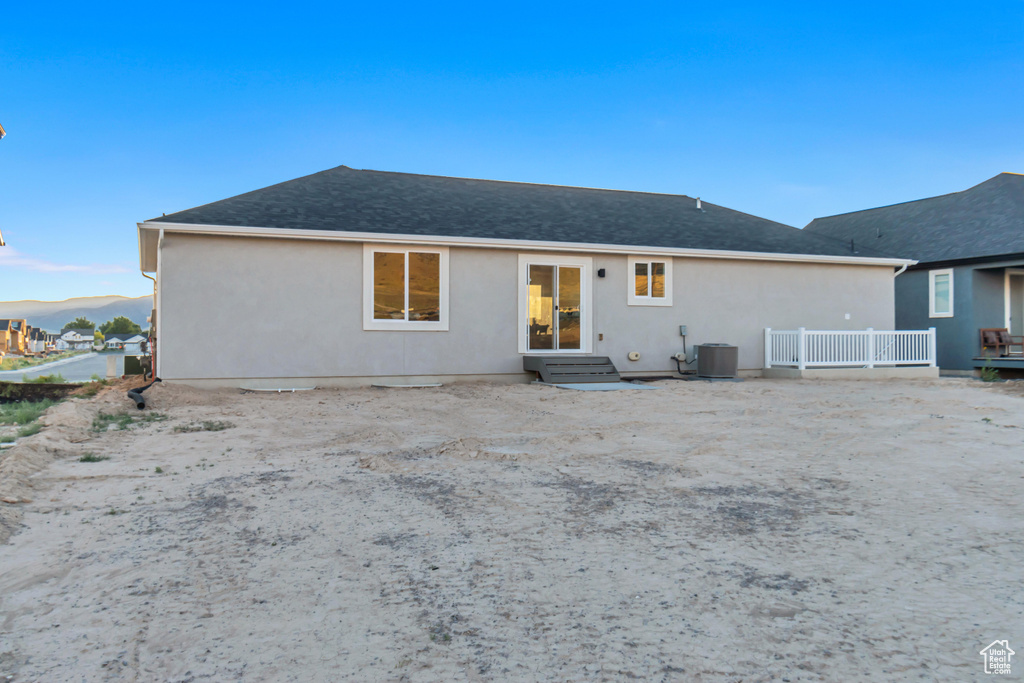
column 555, row 307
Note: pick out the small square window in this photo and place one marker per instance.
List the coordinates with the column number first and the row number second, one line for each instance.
column 650, row 281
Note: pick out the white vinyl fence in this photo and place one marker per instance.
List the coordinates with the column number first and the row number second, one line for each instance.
column 848, row 348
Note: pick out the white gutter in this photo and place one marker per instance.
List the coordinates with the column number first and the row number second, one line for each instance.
column 521, row 245
column 903, row 268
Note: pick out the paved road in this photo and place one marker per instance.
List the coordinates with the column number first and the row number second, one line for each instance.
column 78, row 369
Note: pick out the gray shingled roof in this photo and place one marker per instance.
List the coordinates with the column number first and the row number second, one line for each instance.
column 986, row 220
column 346, row 199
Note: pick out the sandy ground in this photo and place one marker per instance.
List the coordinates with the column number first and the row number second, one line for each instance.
column 755, row 531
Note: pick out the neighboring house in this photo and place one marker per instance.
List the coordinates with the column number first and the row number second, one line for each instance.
column 970, row 272
column 19, row 336
column 33, row 344
column 32, row 335
column 13, row 337
column 428, row 278
column 38, row 341
column 5, row 336
column 130, row 342
column 76, row 339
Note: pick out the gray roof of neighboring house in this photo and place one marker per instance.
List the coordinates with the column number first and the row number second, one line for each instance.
column 350, row 200
column 986, row 220
column 84, row 331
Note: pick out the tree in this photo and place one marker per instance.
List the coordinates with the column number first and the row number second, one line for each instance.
column 120, row 325
column 80, row 323
column 98, row 337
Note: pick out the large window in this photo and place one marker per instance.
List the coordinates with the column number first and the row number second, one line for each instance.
column 940, row 293
column 554, row 304
column 405, row 288
column 650, row 281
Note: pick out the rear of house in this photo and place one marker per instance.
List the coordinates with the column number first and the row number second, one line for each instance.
column 349, row 277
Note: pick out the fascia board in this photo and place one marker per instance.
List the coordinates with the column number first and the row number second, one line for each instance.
column 527, row 245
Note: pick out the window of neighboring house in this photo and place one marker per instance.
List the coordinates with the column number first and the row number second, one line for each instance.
column 940, row 293
column 405, row 288
column 650, row 281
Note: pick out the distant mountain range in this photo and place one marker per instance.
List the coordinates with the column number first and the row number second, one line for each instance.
column 52, row 316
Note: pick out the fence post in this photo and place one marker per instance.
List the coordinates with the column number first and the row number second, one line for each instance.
column 871, row 347
column 931, row 348
column 801, row 349
column 767, row 347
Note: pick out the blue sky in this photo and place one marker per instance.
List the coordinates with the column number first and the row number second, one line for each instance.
column 119, row 112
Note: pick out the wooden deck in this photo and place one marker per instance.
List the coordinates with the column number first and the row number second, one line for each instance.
column 1003, row 362
column 572, row 369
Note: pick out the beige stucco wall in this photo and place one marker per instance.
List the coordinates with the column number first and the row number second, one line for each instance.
column 238, row 309
column 732, row 302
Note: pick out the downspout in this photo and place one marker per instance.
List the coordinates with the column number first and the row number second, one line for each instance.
column 152, row 326
column 157, row 303
column 899, row 272
column 153, row 323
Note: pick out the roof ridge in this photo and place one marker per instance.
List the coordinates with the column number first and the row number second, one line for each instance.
column 889, row 206
column 524, row 182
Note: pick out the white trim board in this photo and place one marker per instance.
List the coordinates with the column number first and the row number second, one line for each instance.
column 492, row 243
column 585, row 263
column 1006, row 294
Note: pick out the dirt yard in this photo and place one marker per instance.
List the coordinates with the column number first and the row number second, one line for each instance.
column 754, row 531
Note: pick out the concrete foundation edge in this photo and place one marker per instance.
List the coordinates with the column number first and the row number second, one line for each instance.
column 286, row 383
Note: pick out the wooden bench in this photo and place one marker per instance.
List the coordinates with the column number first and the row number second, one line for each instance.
column 1000, row 339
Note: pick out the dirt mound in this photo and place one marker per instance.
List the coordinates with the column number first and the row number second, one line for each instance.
column 68, row 425
column 163, row 396
column 30, row 391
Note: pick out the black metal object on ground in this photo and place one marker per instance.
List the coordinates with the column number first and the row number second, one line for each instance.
column 136, row 394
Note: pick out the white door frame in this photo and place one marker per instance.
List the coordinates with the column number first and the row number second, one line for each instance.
column 1006, row 293
column 585, row 264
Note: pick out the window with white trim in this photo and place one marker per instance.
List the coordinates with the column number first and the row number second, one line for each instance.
column 940, row 293
column 649, row 281
column 405, row 288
